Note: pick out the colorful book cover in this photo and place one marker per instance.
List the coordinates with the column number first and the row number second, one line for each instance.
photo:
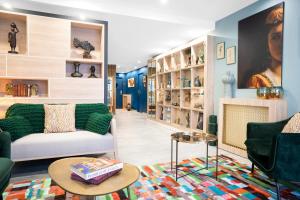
column 97, row 180
column 95, row 167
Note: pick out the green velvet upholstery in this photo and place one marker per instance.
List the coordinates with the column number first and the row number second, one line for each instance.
column 276, row 154
column 35, row 114
column 5, row 163
column 17, row 126
column 98, row 123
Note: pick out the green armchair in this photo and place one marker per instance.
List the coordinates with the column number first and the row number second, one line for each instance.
column 5, row 163
column 274, row 153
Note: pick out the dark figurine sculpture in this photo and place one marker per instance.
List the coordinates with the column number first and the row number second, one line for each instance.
column 12, row 37
column 76, row 73
column 85, row 45
column 93, row 70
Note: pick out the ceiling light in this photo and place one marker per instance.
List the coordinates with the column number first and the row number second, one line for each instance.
column 118, row 66
column 163, row 2
column 82, row 17
column 7, row 5
column 139, row 62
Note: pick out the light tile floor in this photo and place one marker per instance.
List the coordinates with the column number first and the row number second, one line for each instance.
column 143, row 141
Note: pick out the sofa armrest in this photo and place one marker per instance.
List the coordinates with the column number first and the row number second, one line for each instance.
column 264, row 130
column 286, row 157
column 113, row 131
column 5, row 144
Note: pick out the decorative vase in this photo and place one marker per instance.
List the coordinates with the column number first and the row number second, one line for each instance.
column 76, row 73
column 276, row 92
column 197, row 82
column 263, row 92
column 228, row 80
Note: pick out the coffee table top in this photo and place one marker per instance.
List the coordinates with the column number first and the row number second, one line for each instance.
column 60, row 172
column 193, row 137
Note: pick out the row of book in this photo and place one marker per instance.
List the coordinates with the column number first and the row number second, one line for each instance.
column 96, row 170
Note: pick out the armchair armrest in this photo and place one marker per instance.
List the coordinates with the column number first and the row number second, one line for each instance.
column 265, row 130
column 5, row 143
column 113, row 131
column 287, row 157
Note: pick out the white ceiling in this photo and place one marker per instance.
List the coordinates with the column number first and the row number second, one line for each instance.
column 139, row 29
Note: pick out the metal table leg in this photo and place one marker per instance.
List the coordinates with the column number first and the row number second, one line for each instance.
column 217, row 159
column 206, row 155
column 176, row 166
column 171, row 154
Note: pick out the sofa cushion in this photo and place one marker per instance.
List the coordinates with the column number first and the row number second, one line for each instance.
column 98, row 123
column 259, row 146
column 293, row 125
column 5, row 169
column 59, row 118
column 41, row 145
column 83, row 112
column 32, row 112
column 17, row 126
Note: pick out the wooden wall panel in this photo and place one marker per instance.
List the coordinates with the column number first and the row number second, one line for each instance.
column 77, row 88
column 2, row 65
column 49, row 36
column 24, row 66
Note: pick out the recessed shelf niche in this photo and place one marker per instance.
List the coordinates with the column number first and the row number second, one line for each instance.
column 84, row 68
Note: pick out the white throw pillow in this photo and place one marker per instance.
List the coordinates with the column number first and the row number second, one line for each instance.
column 59, row 118
column 293, row 125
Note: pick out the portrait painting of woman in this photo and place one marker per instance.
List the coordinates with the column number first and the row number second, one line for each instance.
column 260, row 49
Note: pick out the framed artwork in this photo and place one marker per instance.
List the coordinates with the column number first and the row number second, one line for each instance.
column 260, row 48
column 131, row 82
column 230, row 55
column 221, row 50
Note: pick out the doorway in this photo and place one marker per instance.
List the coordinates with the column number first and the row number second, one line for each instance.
column 119, row 92
column 142, row 93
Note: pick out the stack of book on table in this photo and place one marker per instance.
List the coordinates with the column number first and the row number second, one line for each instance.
column 95, row 170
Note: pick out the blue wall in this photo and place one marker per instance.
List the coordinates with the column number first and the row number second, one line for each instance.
column 227, row 30
column 134, row 90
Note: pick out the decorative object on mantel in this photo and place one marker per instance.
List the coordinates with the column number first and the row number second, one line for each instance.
column 12, row 37
column 220, row 50
column 93, row 70
column 269, row 92
column 76, row 73
column 85, row 45
column 228, row 81
column 230, row 58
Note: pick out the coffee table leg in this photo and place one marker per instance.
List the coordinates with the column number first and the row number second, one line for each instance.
column 128, row 193
column 171, row 155
column 176, row 166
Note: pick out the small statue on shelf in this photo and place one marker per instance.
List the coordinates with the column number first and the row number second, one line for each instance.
column 93, row 70
column 9, row 88
column 187, row 117
column 12, row 37
column 200, row 121
column 197, row 82
column 76, row 73
column 34, row 90
column 85, row 45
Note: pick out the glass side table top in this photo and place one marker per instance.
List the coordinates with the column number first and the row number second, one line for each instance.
column 193, row 137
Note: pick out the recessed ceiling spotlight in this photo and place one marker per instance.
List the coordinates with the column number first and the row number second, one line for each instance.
column 163, row 2
column 7, row 5
column 139, row 62
column 118, row 66
column 82, row 17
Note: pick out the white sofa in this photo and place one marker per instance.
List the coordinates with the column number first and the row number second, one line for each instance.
column 52, row 145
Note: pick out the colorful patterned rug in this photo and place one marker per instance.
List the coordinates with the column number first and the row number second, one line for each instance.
column 234, row 182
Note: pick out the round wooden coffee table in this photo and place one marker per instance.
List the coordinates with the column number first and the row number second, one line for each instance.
column 60, row 172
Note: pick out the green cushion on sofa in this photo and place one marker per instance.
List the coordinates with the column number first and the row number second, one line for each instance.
column 98, row 123
column 17, row 126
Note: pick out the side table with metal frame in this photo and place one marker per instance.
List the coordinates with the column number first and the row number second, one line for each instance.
column 192, row 139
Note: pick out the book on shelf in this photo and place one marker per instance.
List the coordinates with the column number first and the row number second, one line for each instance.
column 97, row 180
column 95, row 167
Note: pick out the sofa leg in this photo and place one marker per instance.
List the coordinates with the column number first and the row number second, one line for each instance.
column 277, row 190
column 252, row 168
